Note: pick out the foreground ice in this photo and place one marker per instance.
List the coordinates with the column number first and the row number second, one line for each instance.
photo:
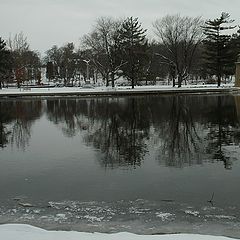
column 139, row 216
column 27, row 232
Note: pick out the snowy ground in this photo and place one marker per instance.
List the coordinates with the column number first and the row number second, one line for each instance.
column 108, row 90
column 27, row 232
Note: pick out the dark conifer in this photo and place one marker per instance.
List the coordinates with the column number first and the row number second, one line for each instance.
column 217, row 53
column 5, row 61
column 133, row 49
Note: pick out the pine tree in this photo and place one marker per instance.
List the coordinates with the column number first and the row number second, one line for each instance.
column 5, row 61
column 235, row 45
column 217, row 54
column 133, row 48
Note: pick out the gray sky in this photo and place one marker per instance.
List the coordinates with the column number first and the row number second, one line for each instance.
column 49, row 22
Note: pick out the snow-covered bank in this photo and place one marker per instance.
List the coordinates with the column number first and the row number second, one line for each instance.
column 27, row 232
column 64, row 91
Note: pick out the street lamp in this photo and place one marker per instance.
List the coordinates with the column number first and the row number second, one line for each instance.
column 87, row 62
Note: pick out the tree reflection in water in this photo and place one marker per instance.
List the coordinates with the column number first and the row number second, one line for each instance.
column 199, row 129
column 125, row 129
column 120, row 135
column 5, row 118
column 16, row 119
column 179, row 137
column 179, row 130
column 63, row 112
column 222, row 130
column 116, row 127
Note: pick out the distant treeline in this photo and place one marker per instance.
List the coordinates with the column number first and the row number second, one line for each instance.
column 185, row 50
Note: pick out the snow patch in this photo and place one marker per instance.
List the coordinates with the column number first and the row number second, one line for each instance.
column 61, row 215
column 27, row 232
column 221, row 217
column 193, row 213
column 93, row 218
column 165, row 216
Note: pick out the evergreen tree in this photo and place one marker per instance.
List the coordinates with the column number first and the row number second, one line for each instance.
column 5, row 61
column 234, row 51
column 133, row 48
column 217, row 54
column 235, row 45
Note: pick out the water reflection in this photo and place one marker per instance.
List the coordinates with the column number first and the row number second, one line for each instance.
column 179, row 135
column 120, row 134
column 179, row 130
column 237, row 102
column 221, row 133
column 16, row 119
column 116, row 127
column 5, row 118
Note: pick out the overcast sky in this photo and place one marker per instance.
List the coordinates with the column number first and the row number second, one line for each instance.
column 49, row 22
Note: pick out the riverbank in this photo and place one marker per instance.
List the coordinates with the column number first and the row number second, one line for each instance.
column 27, row 232
column 118, row 91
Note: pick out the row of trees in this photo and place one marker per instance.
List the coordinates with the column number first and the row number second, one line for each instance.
column 114, row 48
column 186, row 48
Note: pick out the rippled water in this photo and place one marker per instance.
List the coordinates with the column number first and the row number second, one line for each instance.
column 140, row 164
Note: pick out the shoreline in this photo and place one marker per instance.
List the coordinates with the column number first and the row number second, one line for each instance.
column 119, row 91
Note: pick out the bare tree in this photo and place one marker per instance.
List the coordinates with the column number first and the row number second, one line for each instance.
column 180, row 36
column 18, row 43
column 102, row 42
column 26, row 63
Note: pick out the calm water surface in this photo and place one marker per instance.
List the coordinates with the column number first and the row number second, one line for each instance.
column 144, row 164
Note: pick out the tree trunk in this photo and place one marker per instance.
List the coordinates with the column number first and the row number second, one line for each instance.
column 179, row 80
column 219, row 80
column 64, row 82
column 174, row 83
column 132, row 73
column 112, row 78
column 18, row 83
column 132, row 83
column 107, row 81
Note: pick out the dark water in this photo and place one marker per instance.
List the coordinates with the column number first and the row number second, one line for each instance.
column 144, row 164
